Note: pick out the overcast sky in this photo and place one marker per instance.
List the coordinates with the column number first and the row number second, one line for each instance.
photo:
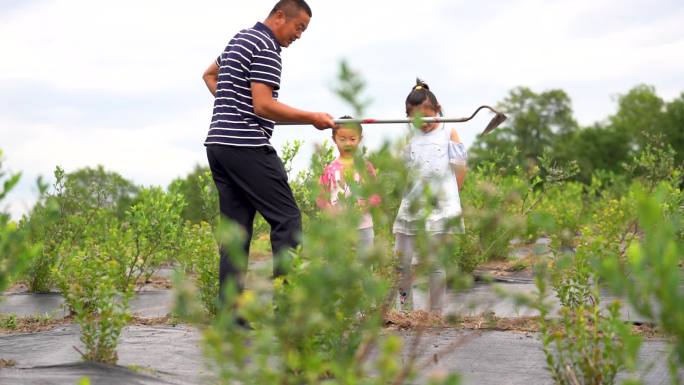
column 118, row 83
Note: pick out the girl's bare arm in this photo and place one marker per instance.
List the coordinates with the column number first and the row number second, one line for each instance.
column 461, row 169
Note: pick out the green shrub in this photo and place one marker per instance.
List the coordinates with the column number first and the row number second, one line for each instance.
column 98, row 278
column 588, row 347
column 16, row 251
column 564, row 204
column 582, row 344
column 501, row 206
column 99, row 306
column 200, row 195
column 649, row 273
column 8, row 321
column 200, row 250
column 655, row 163
column 150, row 235
column 57, row 233
column 495, row 208
column 78, row 207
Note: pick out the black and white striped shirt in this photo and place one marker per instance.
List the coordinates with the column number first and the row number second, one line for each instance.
column 253, row 55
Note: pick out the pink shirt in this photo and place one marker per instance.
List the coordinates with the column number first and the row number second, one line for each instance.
column 333, row 183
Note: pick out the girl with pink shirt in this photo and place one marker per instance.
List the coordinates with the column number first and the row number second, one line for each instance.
column 340, row 173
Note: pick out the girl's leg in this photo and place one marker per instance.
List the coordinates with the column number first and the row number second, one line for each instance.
column 404, row 250
column 437, row 281
column 437, row 289
column 366, row 237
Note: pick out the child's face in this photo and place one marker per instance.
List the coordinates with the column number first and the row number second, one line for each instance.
column 347, row 140
column 425, row 110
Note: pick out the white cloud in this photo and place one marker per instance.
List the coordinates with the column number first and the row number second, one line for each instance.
column 149, row 155
column 124, row 46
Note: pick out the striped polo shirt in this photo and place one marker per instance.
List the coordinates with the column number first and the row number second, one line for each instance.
column 253, row 55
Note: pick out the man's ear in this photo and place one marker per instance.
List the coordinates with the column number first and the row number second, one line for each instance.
column 280, row 17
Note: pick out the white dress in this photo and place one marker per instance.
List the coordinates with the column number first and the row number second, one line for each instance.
column 430, row 158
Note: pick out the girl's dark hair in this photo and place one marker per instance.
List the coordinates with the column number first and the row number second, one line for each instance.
column 356, row 126
column 419, row 94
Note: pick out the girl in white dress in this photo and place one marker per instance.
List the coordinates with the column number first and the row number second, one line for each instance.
column 436, row 159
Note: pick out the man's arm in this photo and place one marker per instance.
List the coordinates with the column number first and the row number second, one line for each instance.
column 211, row 77
column 269, row 108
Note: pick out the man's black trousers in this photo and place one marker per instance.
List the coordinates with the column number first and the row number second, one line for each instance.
column 251, row 179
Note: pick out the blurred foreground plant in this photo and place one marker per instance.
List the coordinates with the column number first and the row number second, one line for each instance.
column 323, row 322
column 583, row 341
column 650, row 271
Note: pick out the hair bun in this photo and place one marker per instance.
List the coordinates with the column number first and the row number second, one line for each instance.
column 420, row 84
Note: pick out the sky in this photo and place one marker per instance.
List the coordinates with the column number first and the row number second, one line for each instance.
column 118, row 83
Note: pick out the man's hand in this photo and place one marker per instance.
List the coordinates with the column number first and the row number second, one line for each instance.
column 322, row 120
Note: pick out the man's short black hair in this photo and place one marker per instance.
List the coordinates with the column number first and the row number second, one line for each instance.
column 291, row 7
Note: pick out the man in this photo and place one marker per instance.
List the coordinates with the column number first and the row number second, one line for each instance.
column 248, row 173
